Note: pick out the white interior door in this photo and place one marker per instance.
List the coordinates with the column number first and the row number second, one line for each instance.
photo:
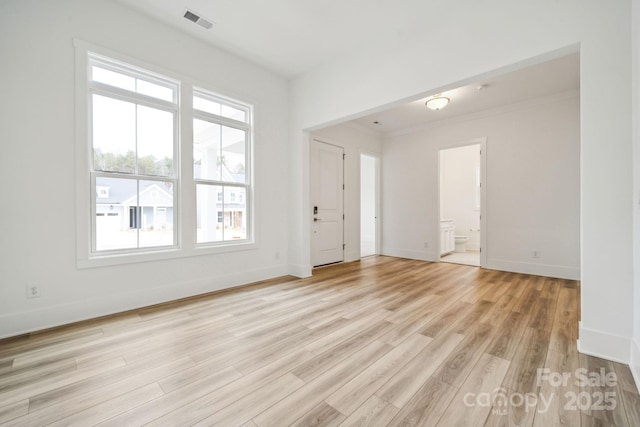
column 327, row 203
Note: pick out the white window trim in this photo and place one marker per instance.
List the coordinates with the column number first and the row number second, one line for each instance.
column 246, row 126
column 185, row 210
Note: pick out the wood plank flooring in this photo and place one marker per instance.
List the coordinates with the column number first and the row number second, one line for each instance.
column 379, row 342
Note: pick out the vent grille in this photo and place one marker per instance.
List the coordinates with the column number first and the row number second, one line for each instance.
column 195, row 18
column 204, row 23
column 191, row 16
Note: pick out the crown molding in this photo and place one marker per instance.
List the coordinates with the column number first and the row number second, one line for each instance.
column 496, row 111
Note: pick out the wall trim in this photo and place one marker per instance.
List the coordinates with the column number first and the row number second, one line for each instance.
column 530, row 103
column 351, row 256
column 403, row 253
column 604, row 345
column 300, row 271
column 634, row 363
column 473, row 247
column 547, row 270
column 15, row 324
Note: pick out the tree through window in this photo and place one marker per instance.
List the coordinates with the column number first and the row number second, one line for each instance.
column 133, row 118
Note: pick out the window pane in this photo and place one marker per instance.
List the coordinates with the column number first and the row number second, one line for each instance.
column 234, row 214
column 209, row 212
column 233, row 113
column 219, row 109
column 155, row 90
column 127, row 82
column 233, row 155
column 221, row 213
column 155, row 141
column 156, row 213
column 113, row 79
column 133, row 214
column 206, row 150
column 114, row 135
column 206, row 105
column 114, row 197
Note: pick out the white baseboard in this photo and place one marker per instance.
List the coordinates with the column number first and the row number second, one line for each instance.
column 634, row 363
column 351, row 256
column 604, row 345
column 300, row 271
column 473, row 247
column 557, row 271
column 402, row 253
column 14, row 324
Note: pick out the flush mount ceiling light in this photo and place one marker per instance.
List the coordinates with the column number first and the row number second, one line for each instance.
column 437, row 102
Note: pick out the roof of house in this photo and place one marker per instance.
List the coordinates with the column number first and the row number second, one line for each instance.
column 121, row 191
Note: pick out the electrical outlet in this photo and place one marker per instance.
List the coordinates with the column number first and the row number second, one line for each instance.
column 277, row 255
column 426, row 244
column 536, row 254
column 33, row 291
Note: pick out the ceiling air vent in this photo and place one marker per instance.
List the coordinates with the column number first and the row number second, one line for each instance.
column 194, row 17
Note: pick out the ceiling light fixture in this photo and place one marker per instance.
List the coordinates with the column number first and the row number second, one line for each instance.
column 437, row 102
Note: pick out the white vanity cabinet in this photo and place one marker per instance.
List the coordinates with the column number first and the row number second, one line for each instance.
column 447, row 236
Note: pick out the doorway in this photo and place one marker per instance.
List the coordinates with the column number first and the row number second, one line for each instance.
column 368, row 205
column 461, row 173
column 327, row 203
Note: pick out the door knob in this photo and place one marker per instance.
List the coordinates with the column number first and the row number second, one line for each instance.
column 316, row 219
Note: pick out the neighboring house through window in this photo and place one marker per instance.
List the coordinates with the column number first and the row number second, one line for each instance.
column 133, row 118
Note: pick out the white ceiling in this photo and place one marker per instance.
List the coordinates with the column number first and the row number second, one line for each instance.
column 291, row 37
column 544, row 79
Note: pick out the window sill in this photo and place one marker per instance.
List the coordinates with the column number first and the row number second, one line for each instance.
column 107, row 260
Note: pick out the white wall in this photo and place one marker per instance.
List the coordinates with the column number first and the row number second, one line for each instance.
column 37, row 122
column 476, row 40
column 635, row 344
column 459, row 199
column 532, row 186
column 355, row 140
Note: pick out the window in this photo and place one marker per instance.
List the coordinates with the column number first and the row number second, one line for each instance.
column 133, row 150
column 133, row 118
column 221, row 141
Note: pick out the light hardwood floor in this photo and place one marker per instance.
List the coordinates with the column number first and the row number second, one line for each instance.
column 383, row 341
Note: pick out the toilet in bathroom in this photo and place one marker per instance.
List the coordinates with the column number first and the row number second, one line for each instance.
column 461, row 243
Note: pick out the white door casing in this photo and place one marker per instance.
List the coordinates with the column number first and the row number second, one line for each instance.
column 327, row 203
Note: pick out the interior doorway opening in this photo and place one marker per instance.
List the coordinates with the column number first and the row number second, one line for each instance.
column 368, row 205
column 461, row 171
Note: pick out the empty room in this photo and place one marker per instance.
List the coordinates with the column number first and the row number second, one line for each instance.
column 415, row 213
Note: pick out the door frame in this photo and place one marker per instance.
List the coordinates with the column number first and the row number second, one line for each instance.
column 377, row 207
column 482, row 141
